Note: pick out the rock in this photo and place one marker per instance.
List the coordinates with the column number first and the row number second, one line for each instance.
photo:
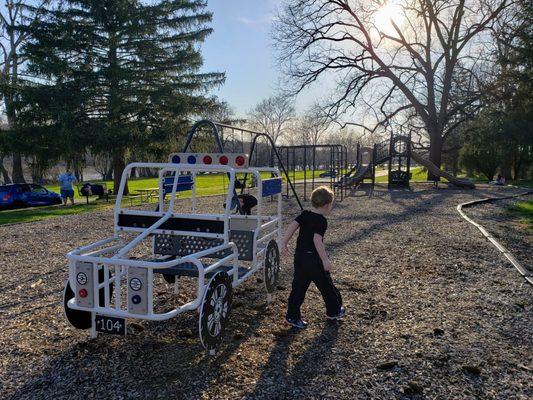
column 472, row 369
column 388, row 365
column 413, row 388
column 438, row 332
column 136, row 327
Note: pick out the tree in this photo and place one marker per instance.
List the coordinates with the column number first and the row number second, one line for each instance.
column 482, row 151
column 272, row 116
column 419, row 59
column 134, row 65
column 15, row 13
column 313, row 125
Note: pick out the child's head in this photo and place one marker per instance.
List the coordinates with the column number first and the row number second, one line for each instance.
column 322, row 198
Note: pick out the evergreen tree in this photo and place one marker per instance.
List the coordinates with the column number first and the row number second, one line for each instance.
column 133, row 66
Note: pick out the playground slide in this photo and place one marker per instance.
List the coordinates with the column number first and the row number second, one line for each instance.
column 358, row 177
column 438, row 172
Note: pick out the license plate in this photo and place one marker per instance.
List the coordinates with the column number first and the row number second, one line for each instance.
column 113, row 325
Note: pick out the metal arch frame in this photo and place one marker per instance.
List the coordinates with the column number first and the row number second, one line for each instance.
column 338, row 160
column 214, row 131
column 112, row 253
column 252, row 148
column 216, row 135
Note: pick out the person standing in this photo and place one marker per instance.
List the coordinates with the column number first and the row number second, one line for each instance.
column 66, row 181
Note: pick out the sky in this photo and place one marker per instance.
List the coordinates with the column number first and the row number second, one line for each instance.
column 241, row 46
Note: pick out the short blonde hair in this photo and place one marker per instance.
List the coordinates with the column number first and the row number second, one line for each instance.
column 322, row 196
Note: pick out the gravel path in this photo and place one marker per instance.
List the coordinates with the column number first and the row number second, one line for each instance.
column 433, row 312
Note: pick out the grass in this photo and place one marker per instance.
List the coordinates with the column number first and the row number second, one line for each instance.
column 206, row 185
column 417, row 175
column 524, row 211
column 38, row 214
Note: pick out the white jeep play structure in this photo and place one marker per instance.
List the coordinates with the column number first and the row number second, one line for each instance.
column 108, row 286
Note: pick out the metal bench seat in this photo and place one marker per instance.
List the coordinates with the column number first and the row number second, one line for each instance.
column 190, row 270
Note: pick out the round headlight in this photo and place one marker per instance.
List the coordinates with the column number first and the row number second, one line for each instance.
column 81, row 278
column 136, row 284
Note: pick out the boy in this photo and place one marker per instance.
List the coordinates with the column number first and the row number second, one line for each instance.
column 311, row 262
column 246, row 201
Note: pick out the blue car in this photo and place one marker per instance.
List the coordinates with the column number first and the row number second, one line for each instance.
column 26, row 195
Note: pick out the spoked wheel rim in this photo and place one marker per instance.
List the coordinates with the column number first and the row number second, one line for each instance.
column 215, row 310
column 272, row 266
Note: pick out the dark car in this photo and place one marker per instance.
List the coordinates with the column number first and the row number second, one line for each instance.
column 26, row 195
column 328, row 174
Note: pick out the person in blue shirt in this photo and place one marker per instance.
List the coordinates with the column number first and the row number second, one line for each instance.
column 66, row 181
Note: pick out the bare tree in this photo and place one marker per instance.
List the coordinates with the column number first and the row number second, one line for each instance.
column 420, row 60
column 14, row 14
column 314, row 124
column 272, row 116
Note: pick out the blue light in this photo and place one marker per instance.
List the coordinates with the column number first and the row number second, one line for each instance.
column 176, row 159
column 191, row 160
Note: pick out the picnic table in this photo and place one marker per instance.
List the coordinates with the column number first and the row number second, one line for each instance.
column 149, row 192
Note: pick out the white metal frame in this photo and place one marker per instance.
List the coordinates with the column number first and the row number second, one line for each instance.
column 111, row 253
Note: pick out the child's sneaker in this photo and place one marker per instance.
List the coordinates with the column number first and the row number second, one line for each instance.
column 339, row 316
column 296, row 323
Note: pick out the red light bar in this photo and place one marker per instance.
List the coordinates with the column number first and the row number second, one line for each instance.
column 239, row 160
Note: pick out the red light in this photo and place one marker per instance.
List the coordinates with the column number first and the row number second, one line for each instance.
column 83, row 293
column 208, row 160
column 239, row 160
column 223, row 160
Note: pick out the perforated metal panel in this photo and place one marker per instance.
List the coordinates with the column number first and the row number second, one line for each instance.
column 245, row 243
column 182, row 245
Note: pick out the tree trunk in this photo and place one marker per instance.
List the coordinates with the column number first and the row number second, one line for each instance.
column 3, row 170
column 17, row 173
column 118, row 168
column 435, row 151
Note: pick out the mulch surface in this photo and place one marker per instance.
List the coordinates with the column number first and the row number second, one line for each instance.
column 434, row 311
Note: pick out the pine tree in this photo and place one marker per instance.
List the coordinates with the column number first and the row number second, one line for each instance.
column 134, row 67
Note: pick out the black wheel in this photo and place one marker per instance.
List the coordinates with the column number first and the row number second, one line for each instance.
column 215, row 310
column 272, row 266
column 78, row 319
column 81, row 319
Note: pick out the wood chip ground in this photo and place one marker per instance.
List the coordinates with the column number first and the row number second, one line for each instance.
column 433, row 312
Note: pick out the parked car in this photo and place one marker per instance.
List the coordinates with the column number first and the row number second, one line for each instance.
column 26, row 195
column 328, row 174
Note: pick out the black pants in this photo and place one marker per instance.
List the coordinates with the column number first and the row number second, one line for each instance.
column 308, row 268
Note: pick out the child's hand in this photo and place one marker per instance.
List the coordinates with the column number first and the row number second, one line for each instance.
column 328, row 266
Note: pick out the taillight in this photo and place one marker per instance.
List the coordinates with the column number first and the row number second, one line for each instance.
column 6, row 197
column 239, row 161
column 83, row 293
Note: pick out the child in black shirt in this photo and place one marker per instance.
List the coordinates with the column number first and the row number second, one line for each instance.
column 311, row 262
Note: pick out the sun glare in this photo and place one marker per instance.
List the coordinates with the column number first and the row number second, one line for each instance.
column 390, row 11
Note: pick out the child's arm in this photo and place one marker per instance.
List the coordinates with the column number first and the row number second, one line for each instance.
column 293, row 227
column 321, row 249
